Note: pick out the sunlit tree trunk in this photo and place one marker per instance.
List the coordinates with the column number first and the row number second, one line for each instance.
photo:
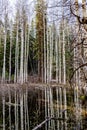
column 48, row 65
column 50, row 56
column 27, row 51
column 5, row 39
column 51, row 52
column 63, row 39
column 16, row 75
column 57, row 56
column 64, row 61
column 25, row 26
column 59, row 59
column 4, row 60
column 45, row 53
column 10, row 53
column 21, row 56
column 76, row 48
column 25, row 55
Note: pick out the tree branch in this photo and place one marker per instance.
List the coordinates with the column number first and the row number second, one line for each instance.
column 85, row 64
column 45, row 121
column 81, row 43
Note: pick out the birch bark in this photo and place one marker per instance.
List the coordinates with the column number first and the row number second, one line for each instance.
column 5, row 39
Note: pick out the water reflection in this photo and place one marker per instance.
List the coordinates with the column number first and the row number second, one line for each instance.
column 25, row 108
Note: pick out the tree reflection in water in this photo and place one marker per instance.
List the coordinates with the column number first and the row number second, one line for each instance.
column 24, row 108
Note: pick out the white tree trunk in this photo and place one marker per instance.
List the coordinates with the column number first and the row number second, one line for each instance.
column 57, row 67
column 27, row 52
column 51, row 52
column 4, row 59
column 21, row 56
column 10, row 53
column 64, row 61
column 25, row 58
column 45, row 54
column 59, row 59
column 16, row 75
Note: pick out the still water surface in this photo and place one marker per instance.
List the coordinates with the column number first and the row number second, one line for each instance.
column 25, row 108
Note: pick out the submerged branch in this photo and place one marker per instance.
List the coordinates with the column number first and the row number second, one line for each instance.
column 12, row 104
column 47, row 120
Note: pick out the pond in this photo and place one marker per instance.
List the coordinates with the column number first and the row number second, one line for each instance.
column 23, row 108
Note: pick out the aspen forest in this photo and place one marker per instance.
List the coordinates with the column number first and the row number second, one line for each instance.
column 43, row 65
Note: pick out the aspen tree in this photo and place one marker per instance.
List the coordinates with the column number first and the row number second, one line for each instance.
column 51, row 52
column 5, row 39
column 76, row 48
column 21, row 56
column 63, row 39
column 57, row 64
column 10, row 53
column 64, row 62
column 16, row 74
column 45, row 54
column 60, row 59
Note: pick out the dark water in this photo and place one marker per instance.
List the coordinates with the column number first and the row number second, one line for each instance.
column 25, row 108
